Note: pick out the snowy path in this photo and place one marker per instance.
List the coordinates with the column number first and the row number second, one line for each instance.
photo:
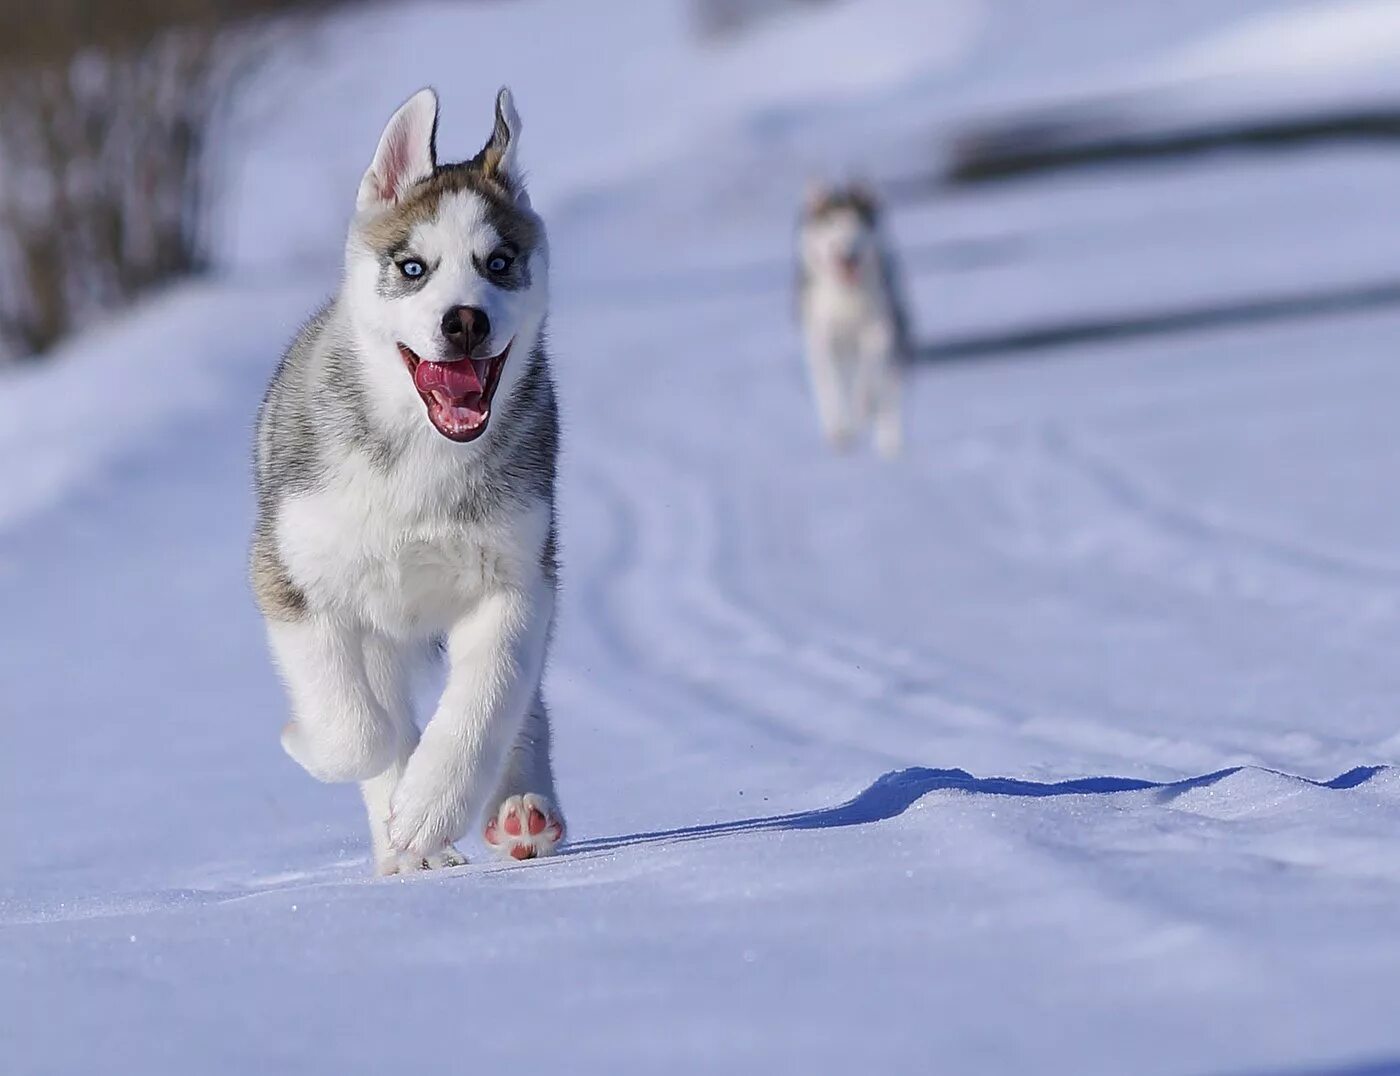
column 787, row 687
column 1066, row 743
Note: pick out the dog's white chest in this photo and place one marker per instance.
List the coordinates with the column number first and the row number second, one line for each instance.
column 844, row 305
column 365, row 547
column 848, row 318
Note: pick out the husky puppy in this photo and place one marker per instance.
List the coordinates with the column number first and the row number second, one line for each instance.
column 405, row 470
column 852, row 316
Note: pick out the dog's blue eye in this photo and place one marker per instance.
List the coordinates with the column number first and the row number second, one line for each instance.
column 499, row 263
column 412, row 268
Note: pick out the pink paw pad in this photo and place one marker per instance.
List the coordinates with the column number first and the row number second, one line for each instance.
column 525, row 827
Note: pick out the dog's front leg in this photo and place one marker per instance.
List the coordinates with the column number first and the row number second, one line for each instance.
column 495, row 658
column 824, row 370
column 339, row 731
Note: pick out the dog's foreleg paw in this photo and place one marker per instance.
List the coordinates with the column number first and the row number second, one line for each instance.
column 411, row 862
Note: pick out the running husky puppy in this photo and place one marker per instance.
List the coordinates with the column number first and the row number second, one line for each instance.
column 852, row 316
column 405, row 477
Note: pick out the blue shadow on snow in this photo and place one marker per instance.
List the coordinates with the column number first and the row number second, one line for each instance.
column 1385, row 1067
column 895, row 792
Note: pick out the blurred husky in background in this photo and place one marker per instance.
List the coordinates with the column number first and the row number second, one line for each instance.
column 852, row 314
column 405, row 467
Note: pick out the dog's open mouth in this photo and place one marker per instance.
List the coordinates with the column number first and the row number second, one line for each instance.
column 457, row 393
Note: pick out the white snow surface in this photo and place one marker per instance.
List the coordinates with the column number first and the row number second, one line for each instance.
column 1065, row 744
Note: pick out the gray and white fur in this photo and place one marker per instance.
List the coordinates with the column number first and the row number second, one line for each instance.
column 405, row 469
column 852, row 317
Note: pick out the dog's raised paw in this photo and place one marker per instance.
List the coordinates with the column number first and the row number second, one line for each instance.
column 525, row 827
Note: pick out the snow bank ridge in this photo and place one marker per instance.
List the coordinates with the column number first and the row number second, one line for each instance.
column 1223, row 793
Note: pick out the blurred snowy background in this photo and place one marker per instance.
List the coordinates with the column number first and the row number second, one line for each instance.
column 1065, row 744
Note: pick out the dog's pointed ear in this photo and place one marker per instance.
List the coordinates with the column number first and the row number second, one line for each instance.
column 500, row 158
column 814, row 197
column 866, row 201
column 407, row 152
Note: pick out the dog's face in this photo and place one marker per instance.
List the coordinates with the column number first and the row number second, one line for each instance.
column 838, row 234
column 447, row 272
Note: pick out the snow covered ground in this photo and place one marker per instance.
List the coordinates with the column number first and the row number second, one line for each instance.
column 1066, row 744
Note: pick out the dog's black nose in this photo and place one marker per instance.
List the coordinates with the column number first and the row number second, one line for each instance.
column 466, row 328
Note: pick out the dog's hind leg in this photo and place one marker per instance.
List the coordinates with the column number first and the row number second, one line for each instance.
column 824, row 369
column 889, row 419
column 523, row 819
column 878, row 391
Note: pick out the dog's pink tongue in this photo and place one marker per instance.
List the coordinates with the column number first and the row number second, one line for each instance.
column 455, row 379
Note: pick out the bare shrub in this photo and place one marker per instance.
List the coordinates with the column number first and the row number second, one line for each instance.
column 714, row 19
column 104, row 114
